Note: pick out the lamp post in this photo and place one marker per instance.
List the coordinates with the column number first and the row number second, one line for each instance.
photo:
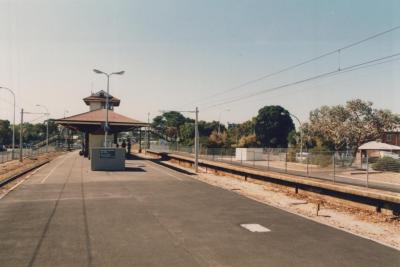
column 148, row 131
column 219, row 120
column 13, row 134
column 106, row 126
column 47, row 125
column 301, row 131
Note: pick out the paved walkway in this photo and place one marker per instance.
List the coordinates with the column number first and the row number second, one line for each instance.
column 67, row 215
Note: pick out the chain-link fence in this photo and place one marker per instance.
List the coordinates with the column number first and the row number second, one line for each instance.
column 26, row 152
column 369, row 170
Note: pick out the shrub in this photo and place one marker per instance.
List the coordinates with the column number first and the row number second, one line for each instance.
column 387, row 164
column 321, row 159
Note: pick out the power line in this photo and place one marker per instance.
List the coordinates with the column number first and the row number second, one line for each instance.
column 339, row 50
column 319, row 76
column 355, row 69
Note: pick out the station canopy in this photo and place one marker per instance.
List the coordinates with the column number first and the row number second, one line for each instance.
column 94, row 121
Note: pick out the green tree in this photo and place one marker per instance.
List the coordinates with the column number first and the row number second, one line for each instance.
column 169, row 124
column 218, row 140
column 273, row 125
column 249, row 141
column 5, row 132
column 187, row 133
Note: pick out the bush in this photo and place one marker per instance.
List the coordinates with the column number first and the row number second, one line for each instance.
column 321, row 159
column 387, row 164
column 320, row 156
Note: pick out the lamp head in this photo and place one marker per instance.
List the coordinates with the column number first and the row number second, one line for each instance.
column 119, row 72
column 98, row 71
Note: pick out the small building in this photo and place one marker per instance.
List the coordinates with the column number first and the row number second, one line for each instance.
column 392, row 137
column 92, row 123
column 378, row 150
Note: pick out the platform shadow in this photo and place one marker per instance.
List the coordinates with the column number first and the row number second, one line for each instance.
column 134, row 169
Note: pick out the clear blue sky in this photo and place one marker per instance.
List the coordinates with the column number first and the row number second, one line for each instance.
column 177, row 51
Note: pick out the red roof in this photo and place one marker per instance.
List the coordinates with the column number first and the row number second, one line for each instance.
column 99, row 116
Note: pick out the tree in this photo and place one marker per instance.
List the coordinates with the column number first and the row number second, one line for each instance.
column 169, row 124
column 351, row 125
column 217, row 140
column 272, row 126
column 249, row 141
column 187, row 134
column 5, row 132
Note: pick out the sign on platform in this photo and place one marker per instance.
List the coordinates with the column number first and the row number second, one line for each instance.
column 107, row 153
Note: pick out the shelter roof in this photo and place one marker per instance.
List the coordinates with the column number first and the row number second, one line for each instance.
column 97, row 117
column 378, row 146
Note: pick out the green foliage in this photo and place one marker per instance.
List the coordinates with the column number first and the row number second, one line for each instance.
column 240, row 130
column 217, row 140
column 5, row 132
column 249, row 141
column 387, row 164
column 169, row 124
column 320, row 156
column 33, row 133
column 187, row 134
column 272, row 126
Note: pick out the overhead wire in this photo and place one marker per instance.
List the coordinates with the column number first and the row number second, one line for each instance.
column 319, row 76
column 294, row 66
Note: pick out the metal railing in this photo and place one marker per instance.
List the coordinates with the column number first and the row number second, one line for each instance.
column 374, row 170
column 26, row 152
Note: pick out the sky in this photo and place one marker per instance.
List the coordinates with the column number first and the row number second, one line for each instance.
column 177, row 54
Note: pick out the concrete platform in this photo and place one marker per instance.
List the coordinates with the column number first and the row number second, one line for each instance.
column 67, row 215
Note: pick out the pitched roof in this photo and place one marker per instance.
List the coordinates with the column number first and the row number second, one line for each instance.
column 98, row 117
column 101, row 96
column 378, row 146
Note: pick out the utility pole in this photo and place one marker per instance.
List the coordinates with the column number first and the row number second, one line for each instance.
column 196, row 141
column 20, row 134
column 148, row 131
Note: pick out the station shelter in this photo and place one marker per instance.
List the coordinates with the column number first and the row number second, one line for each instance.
column 91, row 124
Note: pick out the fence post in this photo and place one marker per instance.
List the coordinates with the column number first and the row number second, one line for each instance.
column 334, row 167
column 286, row 159
column 308, row 160
column 367, row 170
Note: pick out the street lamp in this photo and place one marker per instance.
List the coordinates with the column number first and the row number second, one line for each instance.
column 106, row 127
column 13, row 135
column 301, row 131
column 219, row 119
column 47, row 125
column 65, row 112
